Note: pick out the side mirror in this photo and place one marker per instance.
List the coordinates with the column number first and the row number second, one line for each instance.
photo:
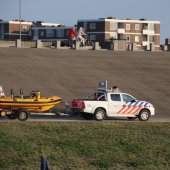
column 133, row 101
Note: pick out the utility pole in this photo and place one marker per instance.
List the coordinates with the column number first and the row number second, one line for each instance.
column 20, row 19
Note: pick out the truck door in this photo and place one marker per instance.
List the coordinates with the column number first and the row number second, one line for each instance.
column 115, row 103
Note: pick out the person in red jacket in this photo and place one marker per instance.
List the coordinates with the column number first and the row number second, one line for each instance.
column 72, row 34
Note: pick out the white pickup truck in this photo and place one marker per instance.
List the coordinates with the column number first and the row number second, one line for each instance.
column 112, row 103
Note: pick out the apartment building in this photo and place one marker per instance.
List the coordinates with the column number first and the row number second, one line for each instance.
column 30, row 30
column 10, row 30
column 49, row 31
column 142, row 32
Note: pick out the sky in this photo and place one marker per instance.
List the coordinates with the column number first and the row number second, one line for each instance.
column 68, row 12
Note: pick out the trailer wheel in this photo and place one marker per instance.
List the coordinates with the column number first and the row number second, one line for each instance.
column 144, row 115
column 22, row 114
column 100, row 114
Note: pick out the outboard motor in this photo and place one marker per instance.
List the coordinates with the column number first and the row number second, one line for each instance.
column 12, row 93
column 21, row 92
column 37, row 95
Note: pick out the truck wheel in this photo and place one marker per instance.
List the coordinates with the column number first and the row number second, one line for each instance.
column 100, row 114
column 87, row 116
column 22, row 114
column 144, row 115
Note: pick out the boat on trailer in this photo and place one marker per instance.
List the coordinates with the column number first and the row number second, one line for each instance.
column 21, row 106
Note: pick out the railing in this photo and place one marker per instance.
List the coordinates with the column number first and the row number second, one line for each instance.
column 7, row 43
column 121, row 45
column 120, row 30
column 148, row 32
column 28, row 44
column 46, row 44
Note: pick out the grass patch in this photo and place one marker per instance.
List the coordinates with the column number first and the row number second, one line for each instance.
column 106, row 145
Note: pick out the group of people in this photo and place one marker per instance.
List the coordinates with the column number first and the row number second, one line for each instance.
column 73, row 35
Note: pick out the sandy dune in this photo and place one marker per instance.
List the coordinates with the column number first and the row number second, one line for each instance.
column 71, row 74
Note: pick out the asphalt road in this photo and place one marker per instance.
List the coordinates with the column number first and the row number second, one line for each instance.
column 73, row 74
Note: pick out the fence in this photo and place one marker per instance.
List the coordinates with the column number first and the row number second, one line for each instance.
column 119, row 45
column 25, row 44
column 7, row 43
column 28, row 44
column 46, row 44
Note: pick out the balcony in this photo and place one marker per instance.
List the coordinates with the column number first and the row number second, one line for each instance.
column 145, row 43
column 148, row 31
column 120, row 30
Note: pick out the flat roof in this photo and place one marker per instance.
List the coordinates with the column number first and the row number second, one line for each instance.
column 119, row 20
column 17, row 22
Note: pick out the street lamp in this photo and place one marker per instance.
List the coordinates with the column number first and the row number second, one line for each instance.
column 20, row 19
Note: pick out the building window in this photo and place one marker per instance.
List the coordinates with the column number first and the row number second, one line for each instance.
column 35, row 33
column 151, row 38
column 121, row 36
column 151, row 26
column 92, row 37
column 60, row 33
column 137, row 27
column 145, row 26
column 136, row 38
column 93, row 26
column 1, row 31
column 128, row 38
column 120, row 25
column 42, row 33
column 127, row 26
column 85, row 26
column 49, row 33
column 145, row 38
column 67, row 33
column 24, row 27
column 113, row 25
column 113, row 35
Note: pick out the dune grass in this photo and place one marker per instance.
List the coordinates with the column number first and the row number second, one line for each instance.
column 94, row 145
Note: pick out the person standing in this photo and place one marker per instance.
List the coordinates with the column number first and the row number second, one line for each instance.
column 2, row 94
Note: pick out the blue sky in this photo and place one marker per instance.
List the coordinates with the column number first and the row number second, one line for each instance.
column 68, row 12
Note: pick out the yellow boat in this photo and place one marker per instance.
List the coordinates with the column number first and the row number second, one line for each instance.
column 26, row 104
